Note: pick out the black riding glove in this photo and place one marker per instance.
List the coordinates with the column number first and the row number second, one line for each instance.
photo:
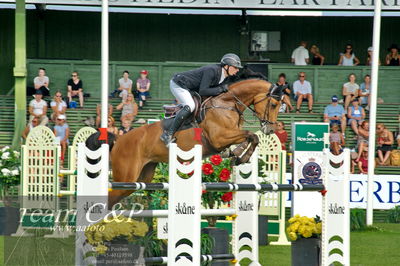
column 224, row 88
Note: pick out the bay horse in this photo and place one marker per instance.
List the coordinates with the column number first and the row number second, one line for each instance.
column 135, row 155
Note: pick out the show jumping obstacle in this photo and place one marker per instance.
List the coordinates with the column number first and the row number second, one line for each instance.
column 184, row 213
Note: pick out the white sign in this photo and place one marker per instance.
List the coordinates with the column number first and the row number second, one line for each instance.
column 386, row 191
column 234, row 4
column 162, row 228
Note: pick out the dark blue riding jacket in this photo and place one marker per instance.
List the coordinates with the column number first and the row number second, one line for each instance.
column 203, row 80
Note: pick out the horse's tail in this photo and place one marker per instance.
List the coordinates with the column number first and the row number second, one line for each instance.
column 93, row 142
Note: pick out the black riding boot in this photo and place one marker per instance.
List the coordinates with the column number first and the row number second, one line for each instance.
column 180, row 117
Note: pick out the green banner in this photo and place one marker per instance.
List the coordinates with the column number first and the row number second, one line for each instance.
column 309, row 136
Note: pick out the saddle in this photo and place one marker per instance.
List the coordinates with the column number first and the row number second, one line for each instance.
column 170, row 111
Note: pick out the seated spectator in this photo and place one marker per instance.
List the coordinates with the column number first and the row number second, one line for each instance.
column 143, row 87
column 363, row 161
column 58, row 106
column 335, row 114
column 125, row 85
column 365, row 92
column 393, row 58
column 125, row 128
column 369, row 56
column 98, row 112
column 61, row 131
column 75, row 88
column 281, row 83
column 38, row 109
column 398, row 137
column 356, row 115
column 362, row 137
column 302, row 91
column 350, row 90
column 336, row 140
column 29, row 126
column 348, row 58
column 111, row 126
column 385, row 142
column 129, row 109
column 300, row 55
column 317, row 58
column 41, row 82
column 281, row 133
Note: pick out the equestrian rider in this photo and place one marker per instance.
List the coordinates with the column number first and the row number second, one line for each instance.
column 206, row 81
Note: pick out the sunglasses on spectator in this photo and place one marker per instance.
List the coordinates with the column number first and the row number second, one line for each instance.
column 74, row 75
column 302, row 76
column 379, row 128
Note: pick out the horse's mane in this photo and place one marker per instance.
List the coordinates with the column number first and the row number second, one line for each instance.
column 245, row 74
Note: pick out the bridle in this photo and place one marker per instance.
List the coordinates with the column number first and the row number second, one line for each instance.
column 263, row 121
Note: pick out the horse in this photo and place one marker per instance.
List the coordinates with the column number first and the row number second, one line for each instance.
column 136, row 154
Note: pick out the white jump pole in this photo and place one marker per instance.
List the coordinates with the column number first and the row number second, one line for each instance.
column 104, row 63
column 372, row 111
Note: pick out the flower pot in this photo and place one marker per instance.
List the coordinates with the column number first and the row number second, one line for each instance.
column 306, row 251
column 121, row 254
column 221, row 240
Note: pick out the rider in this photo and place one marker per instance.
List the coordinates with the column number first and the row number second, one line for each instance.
column 204, row 81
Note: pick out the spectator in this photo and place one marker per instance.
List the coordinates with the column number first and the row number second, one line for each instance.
column 125, row 85
column 302, row 91
column 393, row 58
column 335, row 114
column 286, row 91
column 336, row 140
column 356, row 115
column 300, row 55
column 98, row 112
column 111, row 126
column 28, row 128
column 317, row 58
column 125, row 128
column 38, row 109
column 42, row 82
column 348, row 58
column 281, row 133
column 58, row 106
column 398, row 137
column 350, row 90
column 129, row 109
column 75, row 88
column 143, row 87
column 369, row 56
column 61, row 130
column 362, row 138
column 363, row 161
column 385, row 142
column 365, row 92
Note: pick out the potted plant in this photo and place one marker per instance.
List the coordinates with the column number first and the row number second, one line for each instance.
column 10, row 174
column 216, row 169
column 116, row 238
column 305, row 232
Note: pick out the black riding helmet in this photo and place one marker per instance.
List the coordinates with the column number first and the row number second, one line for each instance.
column 231, row 60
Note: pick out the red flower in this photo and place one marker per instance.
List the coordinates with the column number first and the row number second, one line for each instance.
column 224, row 175
column 207, row 169
column 216, row 159
column 203, row 191
column 227, row 197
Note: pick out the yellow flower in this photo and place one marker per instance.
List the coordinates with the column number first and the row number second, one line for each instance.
column 319, row 228
column 292, row 236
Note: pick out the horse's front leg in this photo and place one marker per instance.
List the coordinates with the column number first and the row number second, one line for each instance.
column 247, row 141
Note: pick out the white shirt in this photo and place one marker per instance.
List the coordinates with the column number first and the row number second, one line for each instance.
column 61, row 105
column 300, row 54
column 125, row 83
column 40, row 81
column 351, row 87
column 302, row 88
column 38, row 106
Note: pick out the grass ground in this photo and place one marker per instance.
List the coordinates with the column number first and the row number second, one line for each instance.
column 370, row 248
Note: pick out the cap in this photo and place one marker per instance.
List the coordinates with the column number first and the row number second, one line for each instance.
column 370, row 49
column 334, row 98
column 145, row 72
column 61, row 117
column 38, row 92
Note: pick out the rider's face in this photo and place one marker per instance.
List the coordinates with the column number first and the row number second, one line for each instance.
column 232, row 70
